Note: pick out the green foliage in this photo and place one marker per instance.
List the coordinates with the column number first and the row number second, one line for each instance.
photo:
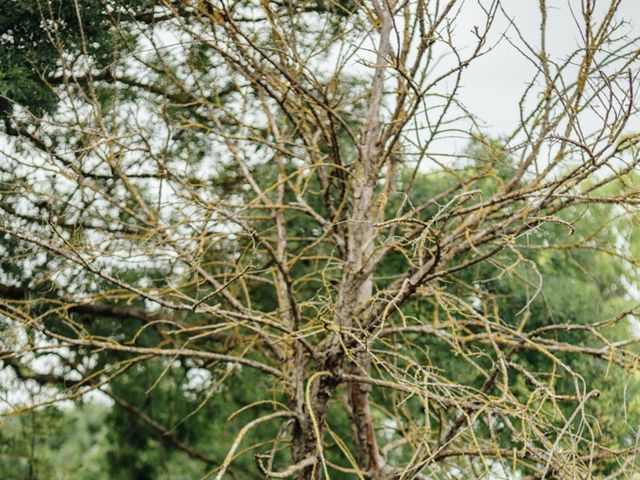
column 55, row 444
column 35, row 35
column 537, row 280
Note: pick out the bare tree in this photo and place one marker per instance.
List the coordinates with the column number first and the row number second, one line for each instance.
column 255, row 167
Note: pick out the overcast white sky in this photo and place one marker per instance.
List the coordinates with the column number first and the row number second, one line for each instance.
column 494, row 83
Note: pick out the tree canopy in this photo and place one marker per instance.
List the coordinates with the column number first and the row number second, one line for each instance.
column 247, row 239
